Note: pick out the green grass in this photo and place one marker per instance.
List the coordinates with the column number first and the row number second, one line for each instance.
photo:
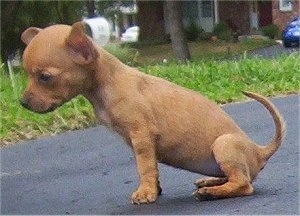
column 221, row 81
column 204, row 50
column 156, row 53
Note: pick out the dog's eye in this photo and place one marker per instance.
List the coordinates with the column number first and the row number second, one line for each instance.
column 44, row 77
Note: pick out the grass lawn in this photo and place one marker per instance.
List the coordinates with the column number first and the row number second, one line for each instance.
column 221, row 81
column 145, row 55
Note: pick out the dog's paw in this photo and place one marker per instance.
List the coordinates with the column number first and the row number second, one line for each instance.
column 210, row 182
column 202, row 194
column 144, row 196
column 200, row 183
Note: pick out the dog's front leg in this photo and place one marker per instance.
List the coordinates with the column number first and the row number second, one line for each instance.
column 144, row 149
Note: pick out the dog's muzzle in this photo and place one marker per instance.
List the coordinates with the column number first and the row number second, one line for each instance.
column 26, row 104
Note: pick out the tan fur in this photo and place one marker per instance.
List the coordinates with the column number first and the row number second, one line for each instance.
column 159, row 120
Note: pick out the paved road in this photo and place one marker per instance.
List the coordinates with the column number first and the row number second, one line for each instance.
column 93, row 172
column 270, row 52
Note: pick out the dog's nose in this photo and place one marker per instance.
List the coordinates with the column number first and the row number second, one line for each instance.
column 24, row 102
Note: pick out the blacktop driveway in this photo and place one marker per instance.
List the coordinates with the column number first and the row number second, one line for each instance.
column 273, row 51
column 93, row 172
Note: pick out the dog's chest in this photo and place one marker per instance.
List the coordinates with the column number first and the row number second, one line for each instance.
column 102, row 115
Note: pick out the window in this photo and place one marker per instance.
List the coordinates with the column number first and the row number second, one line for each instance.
column 285, row 5
column 190, row 9
column 207, row 8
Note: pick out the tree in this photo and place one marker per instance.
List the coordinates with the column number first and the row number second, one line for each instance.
column 9, row 12
column 91, row 8
column 151, row 20
column 16, row 16
column 111, row 11
column 179, row 43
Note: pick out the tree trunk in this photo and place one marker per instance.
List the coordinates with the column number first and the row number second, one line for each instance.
column 151, row 20
column 9, row 12
column 179, row 43
column 91, row 8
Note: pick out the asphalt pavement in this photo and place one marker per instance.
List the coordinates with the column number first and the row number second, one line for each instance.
column 270, row 52
column 92, row 171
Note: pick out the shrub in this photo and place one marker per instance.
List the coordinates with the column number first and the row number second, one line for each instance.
column 192, row 32
column 226, row 35
column 271, row 31
column 204, row 35
column 220, row 27
column 223, row 31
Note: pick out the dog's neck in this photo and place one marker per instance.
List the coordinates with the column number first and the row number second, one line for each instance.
column 99, row 101
column 107, row 69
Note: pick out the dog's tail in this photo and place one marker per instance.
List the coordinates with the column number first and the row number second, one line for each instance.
column 269, row 150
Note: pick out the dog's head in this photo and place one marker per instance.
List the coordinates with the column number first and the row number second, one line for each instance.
column 60, row 61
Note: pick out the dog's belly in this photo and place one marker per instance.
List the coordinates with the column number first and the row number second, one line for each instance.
column 209, row 168
column 206, row 165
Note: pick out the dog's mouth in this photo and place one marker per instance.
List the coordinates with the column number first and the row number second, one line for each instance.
column 50, row 109
column 39, row 109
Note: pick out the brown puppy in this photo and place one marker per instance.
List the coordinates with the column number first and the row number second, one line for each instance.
column 159, row 120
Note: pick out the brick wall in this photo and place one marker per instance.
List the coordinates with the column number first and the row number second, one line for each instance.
column 281, row 18
column 235, row 14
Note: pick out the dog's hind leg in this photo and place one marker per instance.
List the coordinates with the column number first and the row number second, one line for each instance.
column 210, row 181
column 232, row 160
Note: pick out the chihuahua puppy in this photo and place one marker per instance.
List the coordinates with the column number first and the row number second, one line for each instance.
column 160, row 121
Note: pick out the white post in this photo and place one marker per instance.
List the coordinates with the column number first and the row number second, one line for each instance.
column 216, row 8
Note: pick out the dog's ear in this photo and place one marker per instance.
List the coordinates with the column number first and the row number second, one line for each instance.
column 29, row 34
column 80, row 46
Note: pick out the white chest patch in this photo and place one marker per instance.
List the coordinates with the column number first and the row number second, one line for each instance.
column 102, row 116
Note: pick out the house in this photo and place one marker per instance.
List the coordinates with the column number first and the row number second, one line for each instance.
column 247, row 17
column 283, row 11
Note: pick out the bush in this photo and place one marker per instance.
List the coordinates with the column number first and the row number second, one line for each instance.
column 271, row 31
column 226, row 36
column 223, row 31
column 192, row 32
column 204, row 35
column 220, row 27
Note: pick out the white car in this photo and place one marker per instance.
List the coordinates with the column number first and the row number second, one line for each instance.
column 131, row 34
